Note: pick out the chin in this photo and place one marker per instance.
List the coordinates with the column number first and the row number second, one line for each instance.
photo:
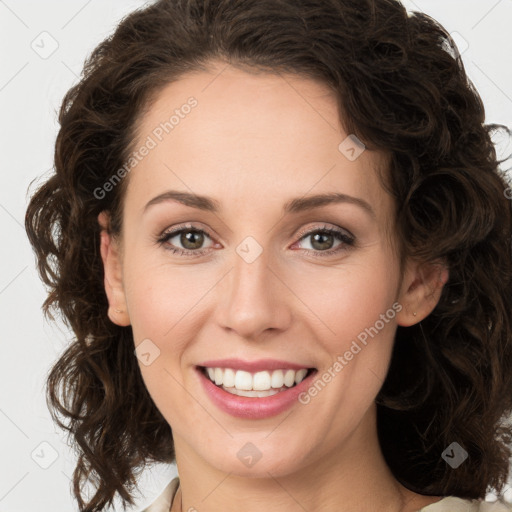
column 256, row 459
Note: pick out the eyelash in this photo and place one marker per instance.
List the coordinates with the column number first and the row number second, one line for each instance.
column 346, row 239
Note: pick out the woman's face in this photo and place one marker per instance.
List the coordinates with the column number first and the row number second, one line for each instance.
column 259, row 278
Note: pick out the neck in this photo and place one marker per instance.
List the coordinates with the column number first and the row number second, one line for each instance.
column 352, row 476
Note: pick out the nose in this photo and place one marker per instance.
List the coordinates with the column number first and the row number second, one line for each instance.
column 253, row 299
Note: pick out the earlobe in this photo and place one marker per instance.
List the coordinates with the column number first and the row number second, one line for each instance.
column 113, row 281
column 421, row 291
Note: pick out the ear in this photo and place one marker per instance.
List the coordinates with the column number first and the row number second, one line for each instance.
column 112, row 265
column 421, row 290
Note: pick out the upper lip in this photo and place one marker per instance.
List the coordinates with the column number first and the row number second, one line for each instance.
column 253, row 366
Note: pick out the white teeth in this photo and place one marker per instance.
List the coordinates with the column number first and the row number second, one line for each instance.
column 289, row 378
column 229, row 378
column 299, row 376
column 261, row 381
column 264, row 381
column 277, row 378
column 243, row 380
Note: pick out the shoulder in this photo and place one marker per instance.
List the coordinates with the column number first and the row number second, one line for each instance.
column 453, row 504
column 164, row 501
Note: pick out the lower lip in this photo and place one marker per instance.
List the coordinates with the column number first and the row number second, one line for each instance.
column 253, row 407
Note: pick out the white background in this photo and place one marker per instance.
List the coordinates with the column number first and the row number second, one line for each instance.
column 31, row 89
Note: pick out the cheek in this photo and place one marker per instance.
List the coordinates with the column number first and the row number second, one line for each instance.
column 360, row 314
column 167, row 306
column 162, row 299
column 348, row 299
column 163, row 303
column 356, row 307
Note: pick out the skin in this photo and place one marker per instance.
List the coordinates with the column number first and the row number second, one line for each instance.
column 253, row 142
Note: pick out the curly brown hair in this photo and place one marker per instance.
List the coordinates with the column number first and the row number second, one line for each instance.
column 401, row 86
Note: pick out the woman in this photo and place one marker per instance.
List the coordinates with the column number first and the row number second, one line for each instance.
column 281, row 237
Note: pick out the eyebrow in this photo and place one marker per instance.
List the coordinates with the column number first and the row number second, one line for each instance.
column 296, row 205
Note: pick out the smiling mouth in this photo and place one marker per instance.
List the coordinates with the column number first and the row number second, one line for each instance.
column 255, row 384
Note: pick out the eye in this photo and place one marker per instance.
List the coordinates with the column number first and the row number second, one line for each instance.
column 190, row 238
column 323, row 239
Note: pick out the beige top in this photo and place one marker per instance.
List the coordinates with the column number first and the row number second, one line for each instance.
column 449, row 504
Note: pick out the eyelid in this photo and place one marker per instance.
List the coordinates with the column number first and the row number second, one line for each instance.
column 181, row 227
column 326, row 226
column 301, row 233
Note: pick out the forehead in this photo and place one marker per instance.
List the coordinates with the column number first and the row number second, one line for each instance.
column 247, row 135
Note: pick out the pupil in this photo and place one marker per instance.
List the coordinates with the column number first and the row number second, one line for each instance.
column 322, row 245
column 187, row 239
